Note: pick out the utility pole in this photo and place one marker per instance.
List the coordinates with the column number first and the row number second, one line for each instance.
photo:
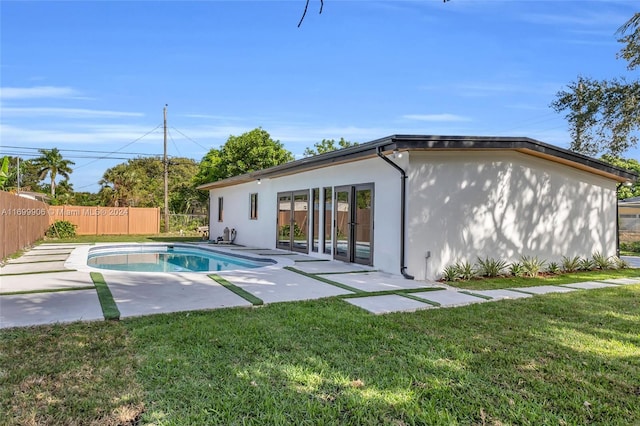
column 166, row 175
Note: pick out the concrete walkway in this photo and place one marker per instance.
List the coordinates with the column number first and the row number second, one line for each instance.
column 51, row 283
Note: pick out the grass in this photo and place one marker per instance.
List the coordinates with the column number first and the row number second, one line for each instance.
column 109, row 308
column 82, row 373
column 256, row 301
column 554, row 359
column 517, row 282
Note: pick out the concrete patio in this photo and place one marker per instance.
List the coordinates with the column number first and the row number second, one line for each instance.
column 51, row 283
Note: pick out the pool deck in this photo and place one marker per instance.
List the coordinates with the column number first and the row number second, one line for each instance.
column 51, row 283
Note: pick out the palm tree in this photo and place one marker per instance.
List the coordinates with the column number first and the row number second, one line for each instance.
column 51, row 163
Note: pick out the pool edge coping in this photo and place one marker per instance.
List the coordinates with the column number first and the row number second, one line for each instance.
column 78, row 258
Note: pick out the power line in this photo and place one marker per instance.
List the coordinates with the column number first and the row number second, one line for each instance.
column 77, row 150
column 188, row 138
column 174, row 143
column 120, row 149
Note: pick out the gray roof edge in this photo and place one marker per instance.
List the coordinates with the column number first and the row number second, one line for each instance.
column 410, row 142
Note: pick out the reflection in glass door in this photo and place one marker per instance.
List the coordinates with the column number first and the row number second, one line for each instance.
column 284, row 221
column 301, row 222
column 293, row 221
column 363, row 225
column 353, row 234
column 342, row 230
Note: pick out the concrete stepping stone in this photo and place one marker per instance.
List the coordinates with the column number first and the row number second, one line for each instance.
column 387, row 304
column 27, row 268
column 45, row 253
column 147, row 293
column 377, row 281
column 500, row 294
column 23, row 310
column 49, row 247
column 448, row 298
column 623, row 281
column 545, row 289
column 280, row 285
column 45, row 282
column 331, row 267
column 589, row 285
column 39, row 259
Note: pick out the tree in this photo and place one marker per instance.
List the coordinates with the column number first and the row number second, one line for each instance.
column 604, row 116
column 51, row 163
column 4, row 172
column 327, row 145
column 628, row 164
column 140, row 182
column 251, row 151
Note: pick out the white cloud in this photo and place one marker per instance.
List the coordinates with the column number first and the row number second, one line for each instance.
column 65, row 112
column 447, row 118
column 37, row 92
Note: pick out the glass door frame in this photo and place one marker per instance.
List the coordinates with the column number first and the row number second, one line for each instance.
column 350, row 255
column 292, row 246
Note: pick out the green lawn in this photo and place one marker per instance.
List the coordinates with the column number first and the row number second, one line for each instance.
column 554, row 359
column 515, row 282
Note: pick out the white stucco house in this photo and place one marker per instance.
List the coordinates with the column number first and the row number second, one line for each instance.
column 411, row 204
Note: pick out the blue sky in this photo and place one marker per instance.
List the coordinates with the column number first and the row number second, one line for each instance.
column 95, row 75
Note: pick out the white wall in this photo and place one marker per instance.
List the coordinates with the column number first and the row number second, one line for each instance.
column 503, row 205
column 262, row 232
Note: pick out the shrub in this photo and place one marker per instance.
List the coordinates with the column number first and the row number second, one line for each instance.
column 451, row 273
column 516, row 269
column 620, row 263
column 532, row 266
column 586, row 264
column 553, row 268
column 61, row 229
column 633, row 246
column 600, row 261
column 491, row 267
column 466, row 270
column 570, row 264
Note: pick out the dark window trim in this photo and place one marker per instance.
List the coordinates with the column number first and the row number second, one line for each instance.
column 220, row 209
column 253, row 206
column 315, row 220
column 327, row 202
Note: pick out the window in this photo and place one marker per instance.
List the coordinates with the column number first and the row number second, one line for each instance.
column 328, row 208
column 315, row 232
column 253, row 206
column 220, row 210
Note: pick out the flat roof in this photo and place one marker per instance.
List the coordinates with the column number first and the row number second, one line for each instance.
column 434, row 143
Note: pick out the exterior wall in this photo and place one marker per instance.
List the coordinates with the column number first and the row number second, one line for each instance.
column 262, row 232
column 503, row 205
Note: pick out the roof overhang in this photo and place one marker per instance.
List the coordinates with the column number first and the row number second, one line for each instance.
column 434, row 143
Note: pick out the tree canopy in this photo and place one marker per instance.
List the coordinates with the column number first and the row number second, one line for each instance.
column 327, row 145
column 628, row 164
column 140, row 183
column 604, row 115
column 251, row 151
column 53, row 164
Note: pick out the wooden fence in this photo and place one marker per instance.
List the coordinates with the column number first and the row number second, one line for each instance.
column 22, row 222
column 108, row 220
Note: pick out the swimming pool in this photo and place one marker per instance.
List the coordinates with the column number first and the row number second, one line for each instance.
column 169, row 258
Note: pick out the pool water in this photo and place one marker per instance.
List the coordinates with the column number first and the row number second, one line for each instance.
column 169, row 258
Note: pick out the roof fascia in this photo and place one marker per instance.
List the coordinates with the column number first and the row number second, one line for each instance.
column 420, row 142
